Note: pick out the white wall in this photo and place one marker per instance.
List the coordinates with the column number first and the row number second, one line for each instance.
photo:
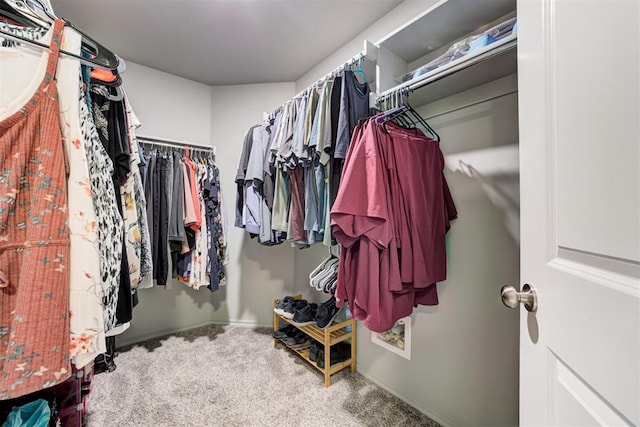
column 169, row 106
column 256, row 274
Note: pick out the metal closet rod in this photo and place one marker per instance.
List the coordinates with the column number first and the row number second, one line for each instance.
column 173, row 143
column 471, row 104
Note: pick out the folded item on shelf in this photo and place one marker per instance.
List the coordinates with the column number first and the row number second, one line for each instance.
column 464, row 47
column 503, row 29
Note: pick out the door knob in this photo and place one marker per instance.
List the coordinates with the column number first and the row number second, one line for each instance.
column 511, row 297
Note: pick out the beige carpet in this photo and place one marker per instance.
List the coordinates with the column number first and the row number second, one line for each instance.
column 233, row 376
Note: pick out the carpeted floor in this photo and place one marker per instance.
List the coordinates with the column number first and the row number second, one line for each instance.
column 233, row 376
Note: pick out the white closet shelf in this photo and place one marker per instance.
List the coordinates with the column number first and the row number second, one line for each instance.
column 487, row 64
column 443, row 23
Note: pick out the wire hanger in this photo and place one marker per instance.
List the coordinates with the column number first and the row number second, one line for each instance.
column 88, row 61
column 359, row 69
column 349, row 66
column 399, row 109
column 25, row 13
column 19, row 12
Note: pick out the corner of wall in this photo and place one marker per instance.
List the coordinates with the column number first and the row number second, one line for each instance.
column 256, row 275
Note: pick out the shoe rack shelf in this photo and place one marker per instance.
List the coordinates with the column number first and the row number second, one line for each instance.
column 329, row 336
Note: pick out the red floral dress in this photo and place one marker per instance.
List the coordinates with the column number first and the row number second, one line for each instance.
column 34, row 242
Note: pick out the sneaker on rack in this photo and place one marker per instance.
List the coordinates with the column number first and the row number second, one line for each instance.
column 327, row 312
column 306, row 315
column 291, row 308
column 281, row 304
column 306, row 343
column 295, row 340
column 284, row 332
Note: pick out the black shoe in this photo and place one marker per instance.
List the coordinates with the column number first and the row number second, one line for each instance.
column 291, row 308
column 306, row 315
column 339, row 353
column 284, row 332
column 315, row 349
column 298, row 338
column 103, row 363
column 327, row 312
column 305, row 343
column 282, row 303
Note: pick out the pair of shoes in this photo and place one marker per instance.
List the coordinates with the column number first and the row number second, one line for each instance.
column 306, row 315
column 296, row 339
column 306, row 343
column 292, row 307
column 339, row 353
column 326, row 314
column 284, row 332
column 281, row 304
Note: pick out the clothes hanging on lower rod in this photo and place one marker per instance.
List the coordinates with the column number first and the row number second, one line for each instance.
column 185, row 214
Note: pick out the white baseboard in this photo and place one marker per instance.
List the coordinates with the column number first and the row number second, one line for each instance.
column 434, row 415
column 248, row 323
column 122, row 342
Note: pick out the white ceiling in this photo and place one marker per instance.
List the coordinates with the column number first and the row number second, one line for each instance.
column 223, row 42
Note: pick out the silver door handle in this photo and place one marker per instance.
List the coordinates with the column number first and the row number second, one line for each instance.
column 511, row 297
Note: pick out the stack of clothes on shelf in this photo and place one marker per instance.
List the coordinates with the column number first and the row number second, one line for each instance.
column 466, row 46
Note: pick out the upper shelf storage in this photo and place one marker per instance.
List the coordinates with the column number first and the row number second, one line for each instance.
column 431, row 33
column 443, row 23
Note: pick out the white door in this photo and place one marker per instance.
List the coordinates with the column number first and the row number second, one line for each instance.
column 579, row 112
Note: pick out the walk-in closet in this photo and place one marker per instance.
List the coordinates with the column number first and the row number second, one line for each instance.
column 319, row 213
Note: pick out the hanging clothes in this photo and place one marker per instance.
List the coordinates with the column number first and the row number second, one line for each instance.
column 162, row 176
column 301, row 170
column 391, row 215
column 240, row 177
column 176, row 233
column 86, row 312
column 187, row 234
column 99, row 286
column 34, row 253
column 110, row 224
column 200, row 253
column 108, row 113
column 140, row 241
column 212, row 196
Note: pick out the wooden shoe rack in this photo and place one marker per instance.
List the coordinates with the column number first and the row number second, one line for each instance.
column 329, row 336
